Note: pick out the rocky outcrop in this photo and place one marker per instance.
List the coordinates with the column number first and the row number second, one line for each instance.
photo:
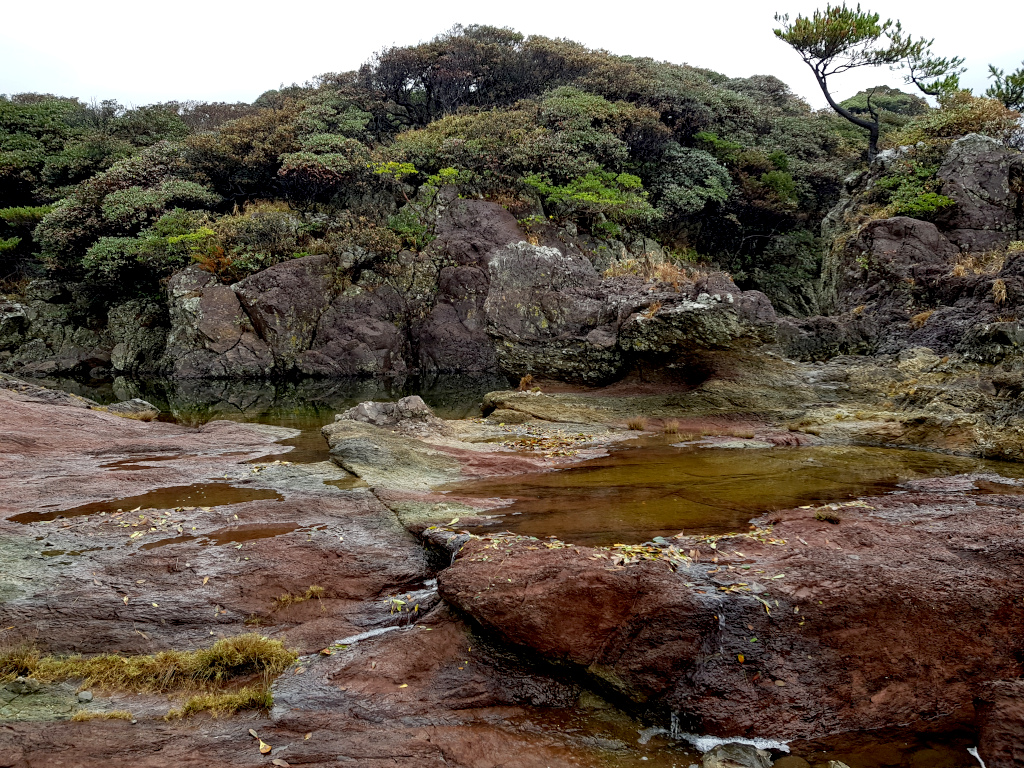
column 285, row 304
column 361, row 333
column 211, row 336
column 51, row 332
column 1000, row 718
column 138, row 329
column 483, row 297
column 986, row 181
column 897, row 283
column 733, row 650
column 548, row 316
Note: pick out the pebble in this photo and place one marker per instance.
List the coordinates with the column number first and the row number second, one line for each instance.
column 85, row 696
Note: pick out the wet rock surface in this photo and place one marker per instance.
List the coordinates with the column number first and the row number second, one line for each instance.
column 740, row 638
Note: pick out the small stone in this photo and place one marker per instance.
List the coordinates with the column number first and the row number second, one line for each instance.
column 734, row 755
column 780, row 683
column 85, row 696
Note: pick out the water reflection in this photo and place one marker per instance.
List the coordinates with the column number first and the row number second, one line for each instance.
column 305, row 405
column 635, row 494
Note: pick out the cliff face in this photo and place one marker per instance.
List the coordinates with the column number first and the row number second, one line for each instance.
column 953, row 284
column 484, row 297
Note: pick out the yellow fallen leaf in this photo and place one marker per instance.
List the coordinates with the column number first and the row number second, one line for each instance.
column 740, row 657
column 125, row 599
column 205, row 579
column 454, row 520
column 264, row 747
column 404, row 685
column 306, row 737
column 253, row 733
column 282, row 763
column 155, row 605
column 326, row 652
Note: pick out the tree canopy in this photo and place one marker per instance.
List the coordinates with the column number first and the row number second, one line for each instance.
column 839, row 38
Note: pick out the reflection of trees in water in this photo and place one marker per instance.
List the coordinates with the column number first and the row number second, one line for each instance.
column 316, row 401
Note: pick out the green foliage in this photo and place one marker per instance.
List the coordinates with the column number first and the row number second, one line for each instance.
column 24, row 216
column 155, row 253
column 687, row 180
column 409, row 228
column 617, row 145
column 1008, row 88
column 839, row 39
column 912, row 190
column 885, row 99
column 620, row 197
column 8, row 245
column 958, row 114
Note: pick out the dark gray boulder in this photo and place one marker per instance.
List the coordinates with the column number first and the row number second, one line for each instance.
column 542, row 309
column 987, row 182
column 361, row 333
column 286, row 302
column 211, row 336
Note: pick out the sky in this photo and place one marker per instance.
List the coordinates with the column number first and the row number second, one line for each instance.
column 224, row 50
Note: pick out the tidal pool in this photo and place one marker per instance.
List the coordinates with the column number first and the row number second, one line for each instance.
column 635, row 494
column 198, row 495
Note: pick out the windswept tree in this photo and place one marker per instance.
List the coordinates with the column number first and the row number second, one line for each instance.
column 839, row 39
column 1008, row 88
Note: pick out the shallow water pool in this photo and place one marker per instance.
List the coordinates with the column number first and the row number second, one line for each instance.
column 635, row 494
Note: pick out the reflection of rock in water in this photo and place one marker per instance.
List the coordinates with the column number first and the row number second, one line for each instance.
column 195, row 401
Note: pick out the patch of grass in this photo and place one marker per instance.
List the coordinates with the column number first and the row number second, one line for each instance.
column 670, row 427
column 825, row 516
column 143, row 416
column 999, row 291
column 987, row 263
column 225, row 702
column 623, row 268
column 652, row 309
column 526, row 382
column 226, row 659
column 744, row 432
column 18, row 661
column 668, row 272
column 84, row 716
column 312, row 591
column 637, row 423
column 918, row 320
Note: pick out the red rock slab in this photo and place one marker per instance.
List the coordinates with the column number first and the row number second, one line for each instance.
column 51, row 457
column 899, row 613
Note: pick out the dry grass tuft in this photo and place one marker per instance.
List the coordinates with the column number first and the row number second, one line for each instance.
column 624, row 268
column 987, row 263
column 18, row 661
column 918, row 320
column 824, row 516
column 652, row 309
column 143, row 416
column 670, row 273
column 312, row 591
column 637, row 423
column 84, row 716
column 670, row 427
column 225, row 702
column 226, row 659
column 999, row 291
column 526, row 382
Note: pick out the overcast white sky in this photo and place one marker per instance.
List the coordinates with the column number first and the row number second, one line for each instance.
column 141, row 52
